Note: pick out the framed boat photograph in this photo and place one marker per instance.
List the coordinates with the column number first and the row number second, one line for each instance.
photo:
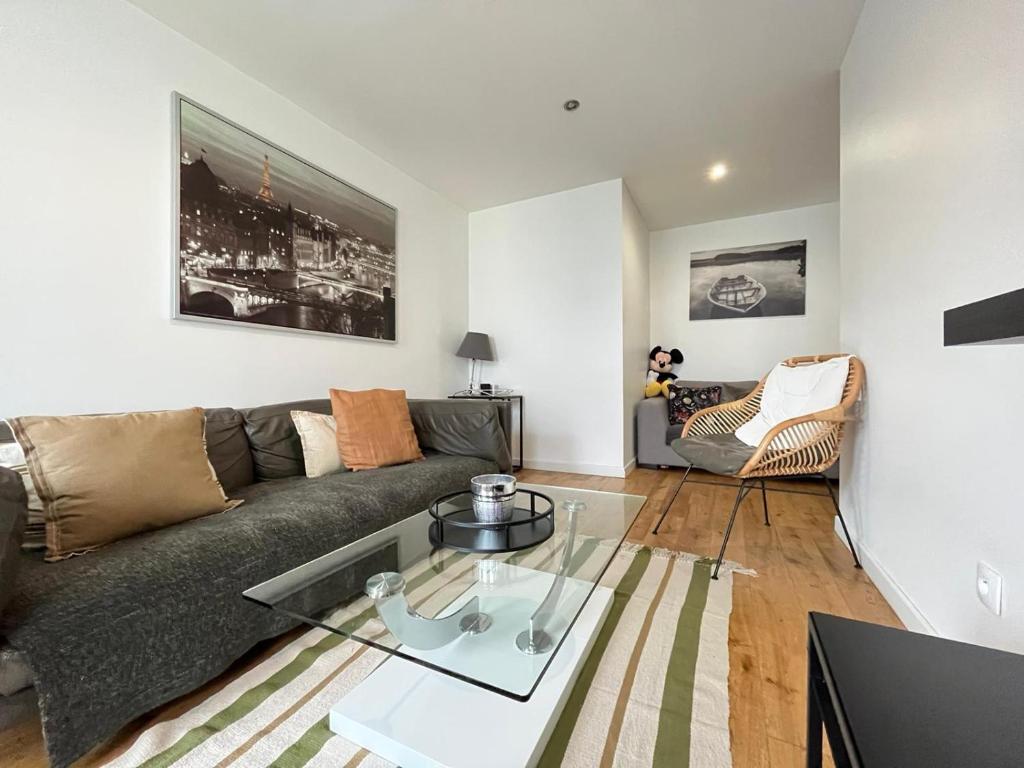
column 266, row 239
column 753, row 281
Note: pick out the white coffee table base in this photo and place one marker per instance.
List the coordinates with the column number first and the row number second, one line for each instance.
column 417, row 718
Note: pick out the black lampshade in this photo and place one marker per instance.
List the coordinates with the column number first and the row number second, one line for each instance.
column 477, row 346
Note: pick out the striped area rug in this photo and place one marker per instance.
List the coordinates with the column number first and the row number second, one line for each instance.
column 653, row 692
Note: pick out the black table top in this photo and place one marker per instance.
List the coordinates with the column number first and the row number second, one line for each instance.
column 916, row 700
column 485, row 395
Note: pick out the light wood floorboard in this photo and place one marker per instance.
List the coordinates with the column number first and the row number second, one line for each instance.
column 802, row 566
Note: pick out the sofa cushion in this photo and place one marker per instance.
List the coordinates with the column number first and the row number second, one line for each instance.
column 731, row 390
column 673, row 432
column 686, row 401
column 463, row 428
column 12, row 457
column 13, row 504
column 273, row 439
column 721, row 454
column 374, row 428
column 318, row 433
column 102, row 478
column 386, row 494
column 228, row 448
column 15, row 674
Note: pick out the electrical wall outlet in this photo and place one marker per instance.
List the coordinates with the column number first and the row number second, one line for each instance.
column 990, row 588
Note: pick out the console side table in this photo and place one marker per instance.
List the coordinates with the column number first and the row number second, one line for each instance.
column 511, row 399
column 888, row 697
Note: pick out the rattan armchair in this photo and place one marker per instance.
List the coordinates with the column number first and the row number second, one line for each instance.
column 806, row 445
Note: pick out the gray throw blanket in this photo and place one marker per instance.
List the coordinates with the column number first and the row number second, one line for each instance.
column 112, row 634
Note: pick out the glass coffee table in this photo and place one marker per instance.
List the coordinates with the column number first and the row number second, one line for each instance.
column 497, row 638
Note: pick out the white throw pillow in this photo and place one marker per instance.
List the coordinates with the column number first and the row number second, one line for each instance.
column 797, row 391
column 319, row 436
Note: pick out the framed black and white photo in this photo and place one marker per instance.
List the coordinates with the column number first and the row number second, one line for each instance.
column 753, row 281
column 266, row 239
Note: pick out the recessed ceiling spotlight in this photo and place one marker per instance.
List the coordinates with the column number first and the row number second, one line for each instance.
column 718, row 171
column 571, row 105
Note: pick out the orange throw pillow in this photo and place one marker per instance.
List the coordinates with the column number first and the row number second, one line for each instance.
column 374, row 428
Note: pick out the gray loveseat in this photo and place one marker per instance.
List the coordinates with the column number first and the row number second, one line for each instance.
column 112, row 634
column 654, row 434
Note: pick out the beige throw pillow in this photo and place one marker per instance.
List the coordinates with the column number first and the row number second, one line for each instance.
column 319, row 436
column 101, row 478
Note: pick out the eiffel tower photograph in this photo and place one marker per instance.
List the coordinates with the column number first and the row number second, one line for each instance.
column 268, row 239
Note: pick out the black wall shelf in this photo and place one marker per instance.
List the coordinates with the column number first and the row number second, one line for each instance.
column 998, row 320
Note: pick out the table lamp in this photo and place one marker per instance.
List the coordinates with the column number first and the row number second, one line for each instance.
column 476, row 346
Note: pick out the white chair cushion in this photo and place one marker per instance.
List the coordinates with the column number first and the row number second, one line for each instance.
column 797, row 391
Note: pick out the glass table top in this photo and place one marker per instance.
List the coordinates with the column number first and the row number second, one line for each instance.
column 493, row 620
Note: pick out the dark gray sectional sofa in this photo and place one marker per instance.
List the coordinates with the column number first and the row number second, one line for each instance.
column 112, row 634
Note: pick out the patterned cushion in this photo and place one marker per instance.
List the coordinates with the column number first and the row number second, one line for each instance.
column 686, row 401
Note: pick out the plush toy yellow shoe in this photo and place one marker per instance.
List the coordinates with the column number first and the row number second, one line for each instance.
column 653, row 388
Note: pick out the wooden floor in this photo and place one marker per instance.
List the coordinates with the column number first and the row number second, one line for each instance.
column 801, row 567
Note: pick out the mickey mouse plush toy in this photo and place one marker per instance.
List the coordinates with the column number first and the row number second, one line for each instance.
column 660, row 375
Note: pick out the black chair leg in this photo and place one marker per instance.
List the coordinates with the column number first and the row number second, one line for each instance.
column 744, row 489
column 764, row 500
column 669, row 504
column 842, row 522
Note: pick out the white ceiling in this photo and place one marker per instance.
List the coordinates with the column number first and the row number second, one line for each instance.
column 466, row 95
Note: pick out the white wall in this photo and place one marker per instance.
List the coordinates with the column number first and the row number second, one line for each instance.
column 746, row 348
column 86, row 202
column 636, row 317
column 545, row 281
column 932, row 200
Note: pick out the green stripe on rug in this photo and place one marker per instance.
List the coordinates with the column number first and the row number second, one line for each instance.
column 583, row 554
column 308, row 745
column 255, row 696
column 554, row 752
column 672, row 747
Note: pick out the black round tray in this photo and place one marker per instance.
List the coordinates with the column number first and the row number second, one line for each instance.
column 459, row 529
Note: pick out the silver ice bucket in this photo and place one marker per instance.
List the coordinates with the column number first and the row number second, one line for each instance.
column 494, row 497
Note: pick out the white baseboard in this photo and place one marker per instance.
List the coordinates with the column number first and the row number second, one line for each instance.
column 629, row 467
column 905, row 608
column 606, row 470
